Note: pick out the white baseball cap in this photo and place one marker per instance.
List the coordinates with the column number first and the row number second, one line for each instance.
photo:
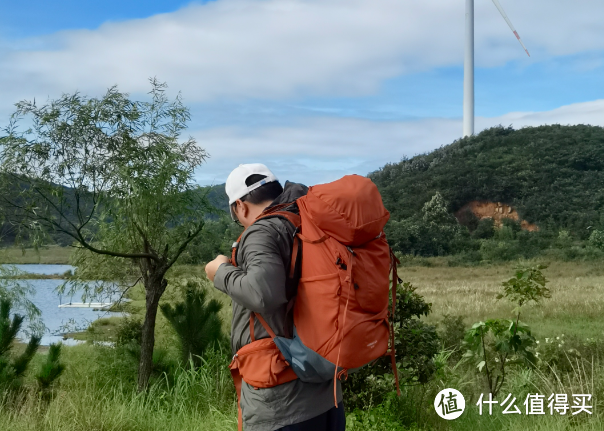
column 235, row 184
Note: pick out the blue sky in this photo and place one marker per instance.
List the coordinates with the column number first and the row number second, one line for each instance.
column 40, row 17
column 313, row 88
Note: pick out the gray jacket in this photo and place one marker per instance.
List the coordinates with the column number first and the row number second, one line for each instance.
column 258, row 284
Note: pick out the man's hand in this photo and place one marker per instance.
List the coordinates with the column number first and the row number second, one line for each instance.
column 212, row 267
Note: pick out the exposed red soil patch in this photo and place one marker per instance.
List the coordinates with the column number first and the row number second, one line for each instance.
column 495, row 210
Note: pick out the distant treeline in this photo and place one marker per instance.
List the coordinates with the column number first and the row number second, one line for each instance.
column 553, row 176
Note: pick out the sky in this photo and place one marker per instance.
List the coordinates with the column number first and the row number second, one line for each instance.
column 315, row 89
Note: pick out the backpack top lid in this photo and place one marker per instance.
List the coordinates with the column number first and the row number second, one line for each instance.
column 349, row 209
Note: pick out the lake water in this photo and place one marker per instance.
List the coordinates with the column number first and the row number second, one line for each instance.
column 47, row 300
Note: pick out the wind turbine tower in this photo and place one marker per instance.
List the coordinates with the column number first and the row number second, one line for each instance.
column 468, row 65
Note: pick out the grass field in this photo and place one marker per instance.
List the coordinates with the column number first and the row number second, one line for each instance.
column 50, row 255
column 97, row 390
column 576, row 306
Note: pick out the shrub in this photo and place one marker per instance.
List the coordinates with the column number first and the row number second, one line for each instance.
column 561, row 354
column 564, row 239
column 485, row 229
column 494, row 344
column 452, row 334
column 196, row 323
column 129, row 331
column 504, row 233
column 493, row 250
column 596, row 239
column 513, row 225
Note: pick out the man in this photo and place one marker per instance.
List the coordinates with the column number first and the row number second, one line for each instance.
column 258, row 284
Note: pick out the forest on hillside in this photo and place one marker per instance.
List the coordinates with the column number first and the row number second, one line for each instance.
column 552, row 175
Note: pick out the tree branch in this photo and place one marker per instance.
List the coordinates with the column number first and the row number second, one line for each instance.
column 183, row 246
column 80, row 239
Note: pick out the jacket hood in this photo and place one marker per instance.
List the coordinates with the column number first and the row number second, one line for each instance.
column 291, row 192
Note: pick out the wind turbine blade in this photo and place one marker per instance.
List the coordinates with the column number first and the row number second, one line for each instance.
column 505, row 17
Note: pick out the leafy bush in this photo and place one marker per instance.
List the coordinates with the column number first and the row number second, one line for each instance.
column 452, row 334
column 528, row 284
column 564, row 239
column 485, row 229
column 513, row 225
column 561, row 354
column 495, row 344
column 129, row 331
column 504, row 233
column 493, row 250
column 596, row 239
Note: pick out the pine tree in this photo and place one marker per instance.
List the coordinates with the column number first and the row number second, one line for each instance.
column 196, row 322
column 51, row 370
column 12, row 368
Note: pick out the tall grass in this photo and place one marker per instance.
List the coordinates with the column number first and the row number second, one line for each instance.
column 414, row 409
column 101, row 400
column 97, row 391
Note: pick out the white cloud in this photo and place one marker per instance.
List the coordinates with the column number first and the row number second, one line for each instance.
column 323, row 149
column 283, row 48
column 577, row 113
column 320, row 149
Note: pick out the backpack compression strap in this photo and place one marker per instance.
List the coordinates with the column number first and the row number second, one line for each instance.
column 395, row 280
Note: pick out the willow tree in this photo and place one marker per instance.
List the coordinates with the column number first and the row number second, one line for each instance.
column 115, row 177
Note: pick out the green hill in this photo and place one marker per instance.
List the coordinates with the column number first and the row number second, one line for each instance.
column 552, row 175
column 217, row 196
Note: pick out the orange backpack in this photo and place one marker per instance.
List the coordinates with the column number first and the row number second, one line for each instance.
column 340, row 311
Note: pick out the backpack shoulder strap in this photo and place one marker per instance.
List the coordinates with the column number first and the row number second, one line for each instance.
column 280, row 211
column 295, row 220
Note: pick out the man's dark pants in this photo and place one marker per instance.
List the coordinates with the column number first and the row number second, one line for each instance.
column 332, row 420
